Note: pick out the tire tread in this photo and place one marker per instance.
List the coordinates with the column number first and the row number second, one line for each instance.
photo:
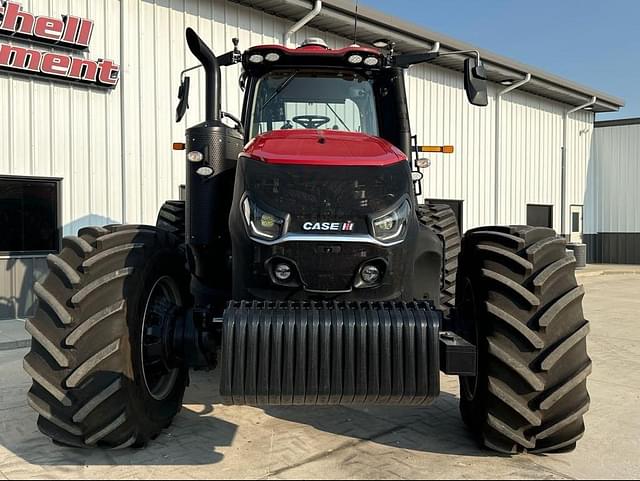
column 442, row 220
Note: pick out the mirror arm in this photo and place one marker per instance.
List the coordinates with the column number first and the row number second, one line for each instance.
column 407, row 60
column 184, row 72
column 230, row 58
column 233, row 57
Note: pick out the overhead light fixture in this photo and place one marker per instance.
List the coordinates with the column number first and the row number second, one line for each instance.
column 507, row 82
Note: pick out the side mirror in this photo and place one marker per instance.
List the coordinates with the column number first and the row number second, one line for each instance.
column 183, row 96
column 475, row 82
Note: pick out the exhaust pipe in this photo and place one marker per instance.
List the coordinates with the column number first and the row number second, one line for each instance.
column 213, row 102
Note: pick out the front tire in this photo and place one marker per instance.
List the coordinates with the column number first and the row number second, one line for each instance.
column 89, row 361
column 519, row 302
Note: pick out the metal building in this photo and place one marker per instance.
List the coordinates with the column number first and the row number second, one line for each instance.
column 92, row 154
column 612, row 223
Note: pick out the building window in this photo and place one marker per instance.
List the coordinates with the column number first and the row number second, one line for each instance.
column 29, row 215
column 540, row 215
column 575, row 222
column 456, row 205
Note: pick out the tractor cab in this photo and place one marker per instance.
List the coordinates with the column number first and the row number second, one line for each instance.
column 310, row 88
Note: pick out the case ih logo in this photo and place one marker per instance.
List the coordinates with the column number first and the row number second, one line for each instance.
column 328, row 226
column 68, row 32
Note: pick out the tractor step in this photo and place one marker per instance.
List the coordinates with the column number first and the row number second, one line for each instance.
column 330, row 353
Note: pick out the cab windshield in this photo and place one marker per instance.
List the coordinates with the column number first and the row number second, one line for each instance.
column 341, row 101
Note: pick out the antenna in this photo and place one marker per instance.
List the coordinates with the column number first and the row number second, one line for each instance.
column 355, row 30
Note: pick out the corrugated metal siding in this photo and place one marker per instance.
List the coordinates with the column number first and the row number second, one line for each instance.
column 113, row 148
column 530, row 144
column 68, row 131
column 530, row 158
column 614, row 178
column 580, row 146
column 441, row 115
column 612, row 218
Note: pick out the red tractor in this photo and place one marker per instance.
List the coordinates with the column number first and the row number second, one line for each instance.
column 303, row 266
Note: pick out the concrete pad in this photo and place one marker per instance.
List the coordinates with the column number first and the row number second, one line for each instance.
column 209, row 440
column 593, row 270
column 13, row 335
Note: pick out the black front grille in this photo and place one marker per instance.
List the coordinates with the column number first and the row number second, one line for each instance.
column 328, row 194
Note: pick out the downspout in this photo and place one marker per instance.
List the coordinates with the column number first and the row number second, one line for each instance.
column 498, row 157
column 565, row 134
column 123, row 125
column 310, row 16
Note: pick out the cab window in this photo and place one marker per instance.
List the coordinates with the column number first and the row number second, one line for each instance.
column 341, row 101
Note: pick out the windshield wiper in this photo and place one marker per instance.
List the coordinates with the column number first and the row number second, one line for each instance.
column 338, row 117
column 279, row 90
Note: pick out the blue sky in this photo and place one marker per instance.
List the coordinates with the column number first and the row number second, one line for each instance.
column 592, row 42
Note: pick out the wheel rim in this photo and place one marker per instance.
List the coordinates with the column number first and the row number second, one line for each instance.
column 469, row 315
column 159, row 377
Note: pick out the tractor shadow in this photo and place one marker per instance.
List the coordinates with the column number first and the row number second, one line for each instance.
column 204, row 426
column 436, row 429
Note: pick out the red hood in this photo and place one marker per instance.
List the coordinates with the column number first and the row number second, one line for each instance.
column 323, row 147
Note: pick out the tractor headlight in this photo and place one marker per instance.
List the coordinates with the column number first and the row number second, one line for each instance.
column 371, row 61
column 392, row 225
column 261, row 223
column 272, row 57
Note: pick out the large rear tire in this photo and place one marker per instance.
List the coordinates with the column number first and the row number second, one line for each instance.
column 519, row 301
column 95, row 359
column 442, row 220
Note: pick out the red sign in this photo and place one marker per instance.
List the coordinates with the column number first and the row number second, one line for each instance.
column 68, row 32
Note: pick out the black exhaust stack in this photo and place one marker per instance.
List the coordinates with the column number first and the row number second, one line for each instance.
column 210, row 182
column 212, row 71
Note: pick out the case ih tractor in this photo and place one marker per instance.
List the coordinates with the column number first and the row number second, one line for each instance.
column 303, row 267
